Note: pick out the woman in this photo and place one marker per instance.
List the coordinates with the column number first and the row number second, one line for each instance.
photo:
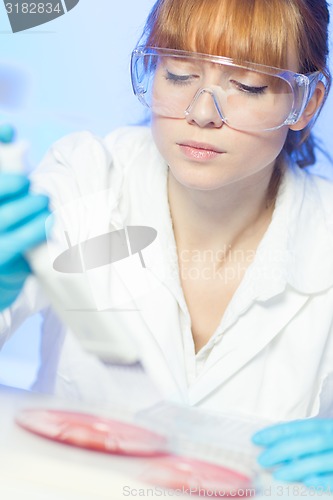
column 237, row 313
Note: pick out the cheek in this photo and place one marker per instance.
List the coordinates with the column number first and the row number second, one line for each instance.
column 264, row 147
column 162, row 133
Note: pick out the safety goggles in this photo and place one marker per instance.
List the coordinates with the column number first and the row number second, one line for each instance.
column 246, row 96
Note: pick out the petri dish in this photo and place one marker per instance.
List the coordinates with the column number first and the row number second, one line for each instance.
column 92, row 432
column 198, row 477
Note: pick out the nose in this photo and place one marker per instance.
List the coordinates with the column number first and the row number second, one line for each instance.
column 204, row 110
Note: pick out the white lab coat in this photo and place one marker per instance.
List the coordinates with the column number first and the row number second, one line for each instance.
column 272, row 354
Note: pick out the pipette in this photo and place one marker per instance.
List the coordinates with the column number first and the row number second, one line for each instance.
column 91, row 326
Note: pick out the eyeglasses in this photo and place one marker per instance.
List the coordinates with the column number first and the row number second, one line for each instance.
column 247, row 96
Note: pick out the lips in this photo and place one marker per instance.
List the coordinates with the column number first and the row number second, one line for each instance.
column 199, row 150
column 201, row 145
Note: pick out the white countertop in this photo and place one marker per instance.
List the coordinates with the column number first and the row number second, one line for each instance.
column 35, row 468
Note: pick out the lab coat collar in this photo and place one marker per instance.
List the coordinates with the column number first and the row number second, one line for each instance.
column 297, row 249
column 244, row 341
column 310, row 235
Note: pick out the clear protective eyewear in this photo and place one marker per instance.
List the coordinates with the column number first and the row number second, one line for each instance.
column 247, row 96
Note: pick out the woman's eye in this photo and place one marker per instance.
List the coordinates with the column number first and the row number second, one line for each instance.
column 179, row 79
column 248, row 89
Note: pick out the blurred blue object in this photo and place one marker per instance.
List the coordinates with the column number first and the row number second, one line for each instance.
column 13, row 87
column 7, row 133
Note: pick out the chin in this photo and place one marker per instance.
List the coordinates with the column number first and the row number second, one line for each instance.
column 201, row 183
column 201, row 178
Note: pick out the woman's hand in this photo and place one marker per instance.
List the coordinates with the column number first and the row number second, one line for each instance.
column 22, row 226
column 300, row 451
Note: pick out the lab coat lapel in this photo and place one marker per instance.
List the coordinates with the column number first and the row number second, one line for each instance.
column 241, row 343
column 151, row 285
column 289, row 267
column 157, row 309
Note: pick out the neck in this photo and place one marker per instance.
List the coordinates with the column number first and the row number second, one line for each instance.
column 225, row 217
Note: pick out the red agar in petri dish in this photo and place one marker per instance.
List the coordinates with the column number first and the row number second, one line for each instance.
column 197, row 477
column 92, row 432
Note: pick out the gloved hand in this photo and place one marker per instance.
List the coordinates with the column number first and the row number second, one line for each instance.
column 7, row 133
column 22, row 226
column 301, row 450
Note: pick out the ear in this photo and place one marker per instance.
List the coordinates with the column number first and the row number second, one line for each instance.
column 312, row 108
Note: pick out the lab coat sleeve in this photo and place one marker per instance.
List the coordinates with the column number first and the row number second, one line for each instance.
column 76, row 166
column 30, row 301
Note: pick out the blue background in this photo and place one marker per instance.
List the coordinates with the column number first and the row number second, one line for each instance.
column 73, row 74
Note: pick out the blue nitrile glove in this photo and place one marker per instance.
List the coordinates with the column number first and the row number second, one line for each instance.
column 22, row 226
column 301, row 451
column 7, row 133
